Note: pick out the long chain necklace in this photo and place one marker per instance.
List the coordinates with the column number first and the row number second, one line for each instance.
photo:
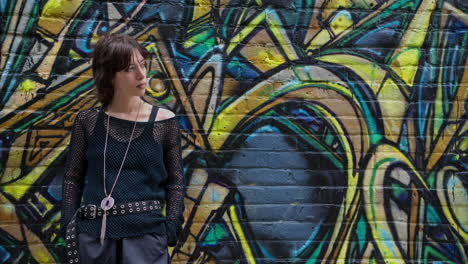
column 108, row 202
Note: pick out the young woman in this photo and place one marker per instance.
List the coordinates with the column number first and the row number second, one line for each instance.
column 123, row 168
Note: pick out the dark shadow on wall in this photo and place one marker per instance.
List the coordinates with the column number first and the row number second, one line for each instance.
column 291, row 191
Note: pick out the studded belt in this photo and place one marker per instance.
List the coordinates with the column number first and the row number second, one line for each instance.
column 92, row 212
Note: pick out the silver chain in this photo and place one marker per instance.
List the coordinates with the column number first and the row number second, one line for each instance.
column 125, row 156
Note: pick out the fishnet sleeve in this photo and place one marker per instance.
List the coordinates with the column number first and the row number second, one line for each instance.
column 175, row 183
column 74, row 171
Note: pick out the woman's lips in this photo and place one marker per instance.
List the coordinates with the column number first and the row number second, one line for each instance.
column 141, row 86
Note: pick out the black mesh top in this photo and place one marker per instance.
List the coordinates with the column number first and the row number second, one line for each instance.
column 152, row 171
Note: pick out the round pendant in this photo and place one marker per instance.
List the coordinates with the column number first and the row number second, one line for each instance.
column 107, row 203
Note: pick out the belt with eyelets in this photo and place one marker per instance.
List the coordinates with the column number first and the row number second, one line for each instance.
column 92, row 211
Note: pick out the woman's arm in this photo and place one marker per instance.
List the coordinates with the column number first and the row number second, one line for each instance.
column 75, row 168
column 175, row 183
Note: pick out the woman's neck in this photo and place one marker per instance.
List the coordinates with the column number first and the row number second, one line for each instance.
column 124, row 105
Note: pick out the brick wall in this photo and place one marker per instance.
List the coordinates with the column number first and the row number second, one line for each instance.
column 314, row 131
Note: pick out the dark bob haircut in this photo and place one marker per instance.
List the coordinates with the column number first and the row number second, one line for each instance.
column 112, row 53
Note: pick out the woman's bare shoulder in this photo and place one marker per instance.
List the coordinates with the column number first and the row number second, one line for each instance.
column 164, row 114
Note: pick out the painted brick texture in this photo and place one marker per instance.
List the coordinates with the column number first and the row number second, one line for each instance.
column 313, row 131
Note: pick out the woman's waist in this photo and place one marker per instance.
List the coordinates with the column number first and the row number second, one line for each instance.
column 124, row 225
column 120, row 196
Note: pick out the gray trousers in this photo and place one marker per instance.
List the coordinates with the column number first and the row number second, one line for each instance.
column 145, row 249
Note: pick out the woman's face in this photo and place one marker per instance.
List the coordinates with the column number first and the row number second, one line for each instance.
column 132, row 81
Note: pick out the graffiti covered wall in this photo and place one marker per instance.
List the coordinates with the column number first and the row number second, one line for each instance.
column 318, row 131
